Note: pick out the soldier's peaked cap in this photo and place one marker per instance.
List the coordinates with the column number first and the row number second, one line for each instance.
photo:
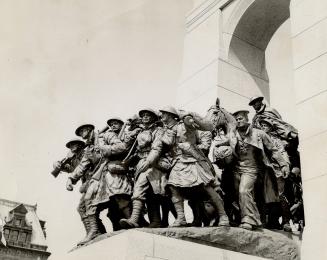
column 254, row 99
column 170, row 109
column 117, row 119
column 75, row 141
column 150, row 110
column 78, row 129
column 243, row 112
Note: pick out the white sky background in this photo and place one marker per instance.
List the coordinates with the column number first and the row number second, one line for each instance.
column 67, row 62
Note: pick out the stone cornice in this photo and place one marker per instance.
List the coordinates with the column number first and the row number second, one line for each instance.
column 204, row 11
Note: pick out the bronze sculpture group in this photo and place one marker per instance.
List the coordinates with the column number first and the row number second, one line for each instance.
column 156, row 160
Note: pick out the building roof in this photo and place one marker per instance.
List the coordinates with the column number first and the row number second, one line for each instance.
column 7, row 206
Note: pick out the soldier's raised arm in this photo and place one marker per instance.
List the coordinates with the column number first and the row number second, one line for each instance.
column 80, row 170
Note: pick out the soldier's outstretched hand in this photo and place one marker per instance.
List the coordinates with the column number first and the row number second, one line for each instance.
column 285, row 171
column 69, row 185
column 57, row 165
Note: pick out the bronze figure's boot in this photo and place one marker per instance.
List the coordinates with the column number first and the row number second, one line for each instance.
column 273, row 216
column 180, row 220
column 132, row 222
column 246, row 226
column 93, row 230
column 100, row 225
column 154, row 213
column 114, row 220
column 219, row 205
column 198, row 211
column 86, row 224
column 223, row 221
column 286, row 213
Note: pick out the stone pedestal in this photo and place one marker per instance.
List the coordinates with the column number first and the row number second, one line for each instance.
column 189, row 243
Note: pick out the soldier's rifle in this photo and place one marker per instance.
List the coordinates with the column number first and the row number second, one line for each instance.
column 55, row 172
column 122, row 130
column 67, row 160
column 134, row 123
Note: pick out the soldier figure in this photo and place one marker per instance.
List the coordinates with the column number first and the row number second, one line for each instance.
column 75, row 155
column 94, row 163
column 223, row 157
column 249, row 146
column 266, row 126
column 150, row 178
column 203, row 142
column 191, row 170
column 283, row 129
column 118, row 184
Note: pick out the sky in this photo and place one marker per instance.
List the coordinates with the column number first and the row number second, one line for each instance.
column 64, row 63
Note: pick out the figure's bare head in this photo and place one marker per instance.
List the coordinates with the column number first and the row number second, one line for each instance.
column 242, row 118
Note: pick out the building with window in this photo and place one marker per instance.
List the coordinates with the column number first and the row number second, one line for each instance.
column 22, row 235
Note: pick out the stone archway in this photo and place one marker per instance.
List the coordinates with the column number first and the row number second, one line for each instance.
column 224, row 56
column 247, row 29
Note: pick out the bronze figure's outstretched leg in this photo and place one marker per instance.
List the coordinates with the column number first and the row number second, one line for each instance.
column 132, row 222
column 219, row 205
column 93, row 231
column 179, row 207
column 153, row 205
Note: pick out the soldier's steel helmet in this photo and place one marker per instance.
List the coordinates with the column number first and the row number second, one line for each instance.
column 150, row 110
column 244, row 112
column 117, row 119
column 78, row 129
column 171, row 110
column 75, row 141
column 255, row 99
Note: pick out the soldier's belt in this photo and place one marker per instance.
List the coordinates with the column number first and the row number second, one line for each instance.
column 116, row 168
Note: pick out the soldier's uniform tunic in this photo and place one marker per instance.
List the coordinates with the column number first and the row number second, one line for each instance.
column 148, row 140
